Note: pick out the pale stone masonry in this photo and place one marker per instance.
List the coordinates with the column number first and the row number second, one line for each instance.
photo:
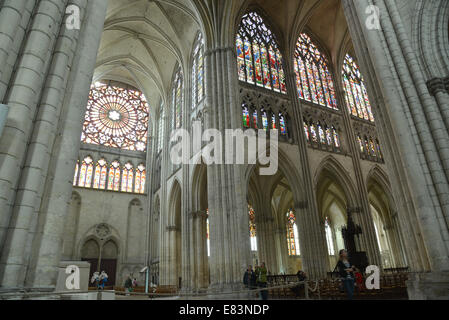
column 400, row 200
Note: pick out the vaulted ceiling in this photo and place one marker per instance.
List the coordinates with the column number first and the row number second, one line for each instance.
column 142, row 42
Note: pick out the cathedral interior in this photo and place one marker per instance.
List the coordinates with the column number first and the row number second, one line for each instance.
column 357, row 92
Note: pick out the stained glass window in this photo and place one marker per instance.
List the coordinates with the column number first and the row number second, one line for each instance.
column 329, row 237
column 127, row 178
column 264, row 119
column 282, row 124
column 313, row 78
column 321, row 134
column 306, row 130
column 161, row 128
column 246, row 118
column 116, row 117
column 198, row 72
column 252, row 228
column 177, row 100
column 292, row 235
column 356, row 96
column 362, row 148
column 114, row 176
column 86, row 172
column 337, row 142
column 313, row 133
column 75, row 177
column 329, row 136
column 259, row 60
column 208, row 234
column 140, row 179
column 101, row 171
column 379, row 151
column 372, row 148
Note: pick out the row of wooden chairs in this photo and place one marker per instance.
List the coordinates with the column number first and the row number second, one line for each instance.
column 392, row 286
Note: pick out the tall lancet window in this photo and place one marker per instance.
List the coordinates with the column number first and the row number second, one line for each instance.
column 101, row 172
column 258, row 57
column 86, row 172
column 161, row 129
column 198, row 72
column 356, row 95
column 252, row 228
column 292, row 235
column 208, row 234
column 313, row 78
column 127, row 178
column 75, row 176
column 114, row 176
column 177, row 100
column 329, row 237
column 140, row 179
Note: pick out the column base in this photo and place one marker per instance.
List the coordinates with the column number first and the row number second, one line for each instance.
column 428, row 286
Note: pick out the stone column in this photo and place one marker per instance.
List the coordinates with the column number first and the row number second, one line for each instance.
column 28, row 84
column 48, row 243
column 199, row 266
column 312, row 239
column 281, row 248
column 34, row 171
column 14, row 19
column 424, row 175
column 265, row 235
column 417, row 163
column 230, row 243
column 171, row 265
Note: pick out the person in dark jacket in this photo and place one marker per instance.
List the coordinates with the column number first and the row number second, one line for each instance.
column 128, row 285
column 299, row 289
column 249, row 279
column 346, row 272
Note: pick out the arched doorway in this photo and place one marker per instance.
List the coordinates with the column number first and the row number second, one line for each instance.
column 386, row 225
column 102, row 256
column 175, row 236
column 332, row 205
column 274, row 223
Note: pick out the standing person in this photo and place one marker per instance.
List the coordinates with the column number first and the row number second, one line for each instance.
column 359, row 280
column 346, row 272
column 262, row 281
column 247, row 277
column 249, row 280
column 96, row 278
column 103, row 279
column 128, row 285
column 302, row 277
column 134, row 283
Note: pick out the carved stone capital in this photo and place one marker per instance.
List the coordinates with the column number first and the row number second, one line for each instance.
column 219, row 50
